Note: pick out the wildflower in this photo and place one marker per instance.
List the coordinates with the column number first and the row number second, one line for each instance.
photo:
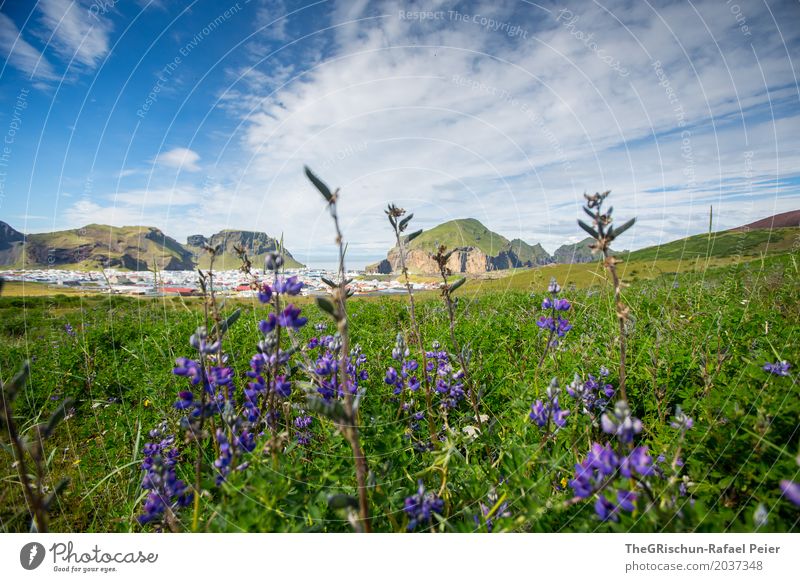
column 542, row 413
column 291, row 318
column 621, row 423
column 69, row 330
column 264, row 293
column 638, row 462
column 290, row 286
column 189, row 369
column 486, row 509
column 273, row 261
column 303, row 424
column 199, row 341
column 791, row 491
column 165, row 490
column 780, row 368
column 681, row 421
column 421, row 507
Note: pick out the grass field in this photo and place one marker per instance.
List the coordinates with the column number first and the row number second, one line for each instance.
column 697, row 339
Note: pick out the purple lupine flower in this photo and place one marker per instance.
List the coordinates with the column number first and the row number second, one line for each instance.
column 543, row 412
column 282, row 387
column 266, row 326
column 620, row 423
column 681, row 421
column 638, row 462
column 165, row 490
column 592, row 394
column 291, row 318
column 303, row 433
column 185, row 400
column 199, row 341
column 606, row 510
column 421, row 507
column 264, row 293
column 189, row 369
column 290, row 286
column 70, row 331
column 791, row 491
column 780, row 368
column 600, row 464
column 626, row 499
column 491, row 501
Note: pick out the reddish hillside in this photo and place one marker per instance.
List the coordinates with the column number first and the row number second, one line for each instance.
column 785, row 219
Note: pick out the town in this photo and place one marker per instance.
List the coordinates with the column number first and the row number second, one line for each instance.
column 185, row 283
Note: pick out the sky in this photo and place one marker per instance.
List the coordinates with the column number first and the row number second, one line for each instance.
column 199, row 116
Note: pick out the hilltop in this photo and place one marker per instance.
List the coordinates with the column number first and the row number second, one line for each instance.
column 478, row 250
column 257, row 245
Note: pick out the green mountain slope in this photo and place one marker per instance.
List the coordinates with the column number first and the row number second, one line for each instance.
column 256, row 244
column 727, row 243
column 463, row 232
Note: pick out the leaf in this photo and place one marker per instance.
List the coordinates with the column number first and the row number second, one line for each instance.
column 413, row 235
column 328, row 282
column 57, row 416
column 405, row 221
column 331, row 409
column 592, row 232
column 624, row 227
column 327, row 306
column 320, row 185
column 458, row 284
column 13, row 387
column 342, row 501
column 226, row 323
column 589, row 212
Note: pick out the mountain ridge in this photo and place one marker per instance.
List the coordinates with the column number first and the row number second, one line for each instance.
column 133, row 248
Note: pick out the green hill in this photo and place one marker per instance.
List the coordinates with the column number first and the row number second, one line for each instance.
column 463, row 232
column 133, row 248
column 256, row 244
column 728, row 243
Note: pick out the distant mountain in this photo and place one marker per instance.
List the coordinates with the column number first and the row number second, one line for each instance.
column 578, row 252
column 257, row 245
column 476, row 250
column 135, row 248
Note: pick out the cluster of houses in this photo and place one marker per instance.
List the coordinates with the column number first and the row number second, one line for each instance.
column 184, row 283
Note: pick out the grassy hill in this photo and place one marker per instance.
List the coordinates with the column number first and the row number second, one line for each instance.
column 101, row 246
column 463, row 232
column 721, row 244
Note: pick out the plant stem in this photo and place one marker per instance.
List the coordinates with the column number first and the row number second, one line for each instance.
column 33, row 498
column 351, row 430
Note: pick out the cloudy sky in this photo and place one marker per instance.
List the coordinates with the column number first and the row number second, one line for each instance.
column 199, row 116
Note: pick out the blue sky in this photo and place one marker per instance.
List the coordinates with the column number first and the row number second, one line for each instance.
column 198, row 116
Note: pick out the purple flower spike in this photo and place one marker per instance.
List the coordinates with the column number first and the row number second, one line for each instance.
column 791, row 491
column 264, row 293
column 778, row 368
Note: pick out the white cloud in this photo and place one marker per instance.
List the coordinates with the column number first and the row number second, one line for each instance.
column 76, row 34
column 450, row 119
column 21, row 54
column 180, row 158
column 453, row 119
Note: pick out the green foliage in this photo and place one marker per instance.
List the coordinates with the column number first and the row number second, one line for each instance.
column 697, row 340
